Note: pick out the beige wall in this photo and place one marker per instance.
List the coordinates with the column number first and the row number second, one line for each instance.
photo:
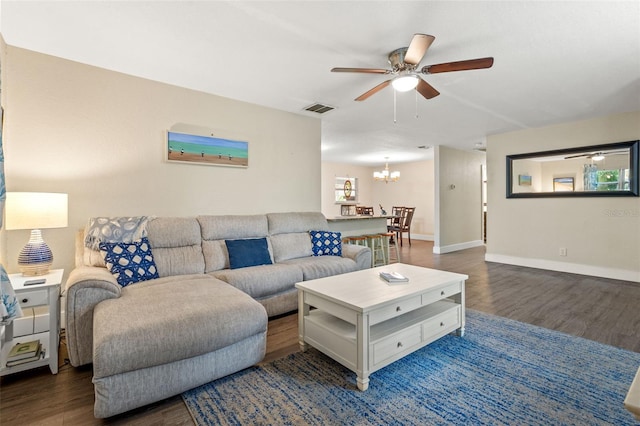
column 414, row 189
column 458, row 211
column 100, row 136
column 601, row 235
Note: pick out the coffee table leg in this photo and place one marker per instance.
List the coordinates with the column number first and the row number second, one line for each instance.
column 363, row 383
column 460, row 332
column 303, row 311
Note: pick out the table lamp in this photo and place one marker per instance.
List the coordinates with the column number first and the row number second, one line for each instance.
column 35, row 211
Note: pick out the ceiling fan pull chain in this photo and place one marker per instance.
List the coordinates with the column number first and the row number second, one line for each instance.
column 394, row 107
column 416, row 104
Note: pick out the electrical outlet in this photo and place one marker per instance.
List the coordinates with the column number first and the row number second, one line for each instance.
column 563, row 251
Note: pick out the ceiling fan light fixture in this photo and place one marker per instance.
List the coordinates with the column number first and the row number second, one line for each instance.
column 404, row 83
column 598, row 157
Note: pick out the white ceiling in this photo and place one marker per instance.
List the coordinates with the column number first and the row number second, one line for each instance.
column 554, row 61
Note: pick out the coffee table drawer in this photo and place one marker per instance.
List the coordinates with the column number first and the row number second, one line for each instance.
column 445, row 322
column 441, row 293
column 396, row 344
column 392, row 311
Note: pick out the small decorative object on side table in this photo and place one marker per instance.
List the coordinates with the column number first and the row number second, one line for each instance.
column 47, row 293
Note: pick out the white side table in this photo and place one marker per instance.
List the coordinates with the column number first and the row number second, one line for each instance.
column 29, row 296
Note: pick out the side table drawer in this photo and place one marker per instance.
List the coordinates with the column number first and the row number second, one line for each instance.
column 392, row 311
column 444, row 321
column 33, row 298
column 396, row 344
column 441, row 293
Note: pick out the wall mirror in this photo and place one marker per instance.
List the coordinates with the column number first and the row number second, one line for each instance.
column 609, row 170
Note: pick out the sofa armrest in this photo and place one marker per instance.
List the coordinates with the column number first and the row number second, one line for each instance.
column 86, row 287
column 359, row 254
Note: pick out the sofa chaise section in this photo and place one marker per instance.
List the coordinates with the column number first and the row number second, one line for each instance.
column 181, row 337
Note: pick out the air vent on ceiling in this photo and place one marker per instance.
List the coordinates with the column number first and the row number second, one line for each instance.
column 319, row 108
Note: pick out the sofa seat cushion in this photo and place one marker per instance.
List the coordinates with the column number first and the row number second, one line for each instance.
column 261, row 281
column 151, row 325
column 315, row 267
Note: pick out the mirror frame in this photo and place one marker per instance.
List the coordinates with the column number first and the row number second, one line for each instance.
column 633, row 171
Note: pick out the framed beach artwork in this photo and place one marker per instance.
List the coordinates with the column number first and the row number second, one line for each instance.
column 524, row 180
column 210, row 150
column 563, row 184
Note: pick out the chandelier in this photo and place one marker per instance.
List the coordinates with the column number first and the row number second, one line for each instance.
column 385, row 175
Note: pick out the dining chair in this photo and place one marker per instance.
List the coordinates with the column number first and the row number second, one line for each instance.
column 406, row 223
column 396, row 220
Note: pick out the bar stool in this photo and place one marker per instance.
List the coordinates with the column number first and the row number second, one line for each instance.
column 358, row 240
column 376, row 244
column 387, row 239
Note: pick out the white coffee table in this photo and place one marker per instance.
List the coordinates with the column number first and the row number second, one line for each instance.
column 365, row 323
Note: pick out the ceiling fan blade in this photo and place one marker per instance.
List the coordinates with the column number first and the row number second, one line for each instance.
column 363, row 70
column 471, row 64
column 426, row 90
column 592, row 154
column 417, row 48
column 577, row 156
column 373, row 91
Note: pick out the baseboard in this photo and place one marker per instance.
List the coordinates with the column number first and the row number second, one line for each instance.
column 421, row 237
column 457, row 247
column 572, row 268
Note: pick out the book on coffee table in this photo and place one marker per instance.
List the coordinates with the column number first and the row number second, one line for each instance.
column 394, row 277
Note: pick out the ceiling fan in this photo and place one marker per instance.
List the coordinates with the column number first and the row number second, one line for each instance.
column 599, row 155
column 404, row 62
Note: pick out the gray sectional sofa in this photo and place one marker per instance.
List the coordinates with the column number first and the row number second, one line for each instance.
column 199, row 320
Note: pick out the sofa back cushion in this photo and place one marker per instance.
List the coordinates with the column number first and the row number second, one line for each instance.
column 290, row 233
column 176, row 245
column 216, row 229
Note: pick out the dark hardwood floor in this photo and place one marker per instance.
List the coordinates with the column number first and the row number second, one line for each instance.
column 598, row 309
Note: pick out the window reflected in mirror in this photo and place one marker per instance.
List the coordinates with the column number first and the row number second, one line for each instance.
column 601, row 170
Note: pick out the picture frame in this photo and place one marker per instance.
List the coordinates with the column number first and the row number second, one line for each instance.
column 563, row 184
column 524, row 180
column 346, row 190
column 207, row 150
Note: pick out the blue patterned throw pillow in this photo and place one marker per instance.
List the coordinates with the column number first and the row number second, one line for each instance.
column 130, row 262
column 326, row 243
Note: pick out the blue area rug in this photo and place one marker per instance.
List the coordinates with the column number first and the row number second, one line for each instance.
column 503, row 372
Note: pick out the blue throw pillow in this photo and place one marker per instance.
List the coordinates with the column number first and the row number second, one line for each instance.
column 326, row 243
column 248, row 252
column 130, row 262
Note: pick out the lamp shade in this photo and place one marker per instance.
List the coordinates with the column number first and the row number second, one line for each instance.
column 36, row 210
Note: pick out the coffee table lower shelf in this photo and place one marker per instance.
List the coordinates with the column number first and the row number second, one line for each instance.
column 385, row 342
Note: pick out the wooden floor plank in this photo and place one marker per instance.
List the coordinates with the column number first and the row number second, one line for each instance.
column 598, row 309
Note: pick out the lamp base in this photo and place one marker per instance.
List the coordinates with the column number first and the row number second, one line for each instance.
column 34, row 270
column 35, row 258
